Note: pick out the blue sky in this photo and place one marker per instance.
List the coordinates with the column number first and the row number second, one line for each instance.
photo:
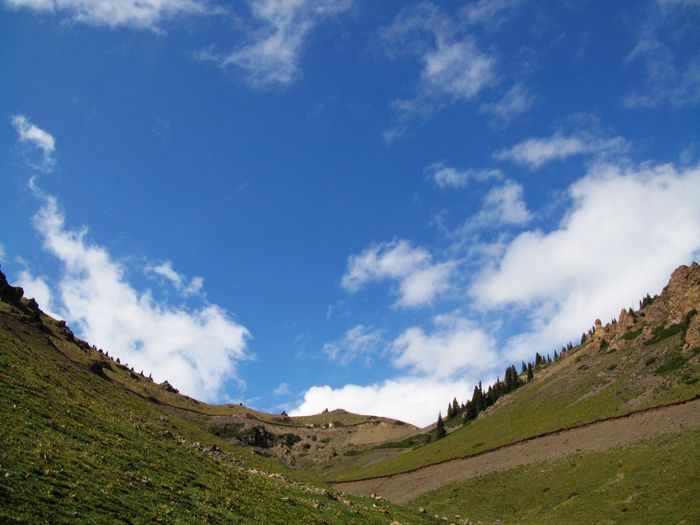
column 343, row 203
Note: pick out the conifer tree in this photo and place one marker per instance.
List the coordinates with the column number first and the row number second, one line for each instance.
column 530, row 373
column 455, row 407
column 440, row 431
column 514, row 375
column 478, row 398
column 471, row 412
column 508, row 380
column 523, row 368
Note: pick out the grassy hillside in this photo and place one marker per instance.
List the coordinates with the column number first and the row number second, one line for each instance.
column 654, row 481
column 615, row 372
column 78, row 447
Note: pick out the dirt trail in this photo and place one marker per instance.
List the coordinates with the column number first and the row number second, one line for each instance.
column 602, row 435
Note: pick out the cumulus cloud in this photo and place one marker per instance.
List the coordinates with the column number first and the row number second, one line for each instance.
column 442, row 362
column 271, row 57
column 195, row 349
column 179, row 281
column 453, row 68
column 412, row 399
column 514, row 102
column 538, row 151
column 448, row 177
column 141, row 14
column 626, row 231
column 420, row 280
column 360, row 343
column 38, row 288
column 39, row 145
column 454, row 347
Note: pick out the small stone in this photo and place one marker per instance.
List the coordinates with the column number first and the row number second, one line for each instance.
column 422, row 510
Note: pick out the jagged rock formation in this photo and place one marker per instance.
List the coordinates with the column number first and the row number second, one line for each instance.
column 677, row 304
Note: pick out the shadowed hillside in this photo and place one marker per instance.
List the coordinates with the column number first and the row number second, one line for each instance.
column 87, row 440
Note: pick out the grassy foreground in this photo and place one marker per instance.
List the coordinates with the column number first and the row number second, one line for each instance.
column 76, row 447
column 654, row 481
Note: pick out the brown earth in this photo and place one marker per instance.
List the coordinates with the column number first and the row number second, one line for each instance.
column 598, row 436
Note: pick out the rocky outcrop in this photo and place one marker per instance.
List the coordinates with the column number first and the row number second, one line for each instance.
column 677, row 304
column 9, row 294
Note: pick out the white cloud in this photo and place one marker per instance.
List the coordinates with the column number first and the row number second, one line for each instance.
column 420, row 280
column 516, row 101
column 272, row 55
column 281, row 390
column 449, row 177
column 441, row 363
column 503, row 205
column 536, row 152
column 2, row 253
column 672, row 77
column 142, row 14
column 37, row 288
column 489, row 13
column 196, row 350
column 360, row 343
column 453, row 69
column 456, row 346
column 626, row 231
column 411, row 399
column 40, row 144
column 179, row 281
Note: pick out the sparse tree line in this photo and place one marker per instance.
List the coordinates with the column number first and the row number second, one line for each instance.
column 512, row 380
column 482, row 399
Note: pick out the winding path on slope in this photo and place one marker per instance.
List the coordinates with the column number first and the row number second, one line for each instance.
column 596, row 436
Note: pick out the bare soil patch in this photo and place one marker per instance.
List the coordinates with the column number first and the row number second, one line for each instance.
column 602, row 435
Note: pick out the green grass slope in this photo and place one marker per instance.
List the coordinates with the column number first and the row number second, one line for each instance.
column 616, row 372
column 76, row 446
column 654, row 481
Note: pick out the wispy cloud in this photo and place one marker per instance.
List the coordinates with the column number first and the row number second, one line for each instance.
column 514, row 102
column 272, row 54
column 360, row 343
column 420, row 280
column 538, row 151
column 281, row 390
column 195, row 349
column 178, row 280
column 503, row 206
column 673, row 76
column 449, row 177
column 38, row 145
column 140, row 14
column 453, row 68
column 490, row 13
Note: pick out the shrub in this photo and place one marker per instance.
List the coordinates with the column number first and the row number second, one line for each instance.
column 672, row 363
column 661, row 332
column 629, row 336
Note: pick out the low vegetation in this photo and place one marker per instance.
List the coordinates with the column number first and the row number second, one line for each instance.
column 654, row 481
column 78, row 447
